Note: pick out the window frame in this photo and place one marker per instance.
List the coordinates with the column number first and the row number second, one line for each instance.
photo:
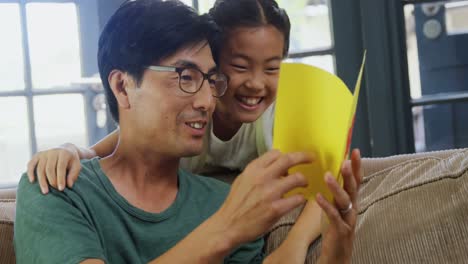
column 89, row 28
column 384, row 124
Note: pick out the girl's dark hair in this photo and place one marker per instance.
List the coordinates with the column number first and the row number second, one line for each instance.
column 143, row 32
column 230, row 14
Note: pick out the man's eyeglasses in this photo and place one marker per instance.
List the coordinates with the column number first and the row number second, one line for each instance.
column 191, row 79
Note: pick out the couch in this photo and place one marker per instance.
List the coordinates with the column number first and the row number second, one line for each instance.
column 413, row 209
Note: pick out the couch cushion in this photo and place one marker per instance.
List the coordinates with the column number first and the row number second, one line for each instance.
column 7, row 216
column 7, row 194
column 413, row 211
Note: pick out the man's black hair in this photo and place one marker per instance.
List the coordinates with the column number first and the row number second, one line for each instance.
column 144, row 32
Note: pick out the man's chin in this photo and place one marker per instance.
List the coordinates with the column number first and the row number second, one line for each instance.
column 192, row 152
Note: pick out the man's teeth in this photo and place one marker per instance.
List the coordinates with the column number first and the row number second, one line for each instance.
column 250, row 100
column 196, row 125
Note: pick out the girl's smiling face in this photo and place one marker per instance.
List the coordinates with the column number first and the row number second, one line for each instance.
column 251, row 57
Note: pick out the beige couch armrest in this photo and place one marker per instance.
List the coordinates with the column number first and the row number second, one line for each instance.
column 373, row 165
column 7, row 216
column 7, row 194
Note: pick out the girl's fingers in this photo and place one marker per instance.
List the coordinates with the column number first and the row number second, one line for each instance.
column 73, row 173
column 51, row 170
column 62, row 165
column 41, row 177
column 31, row 168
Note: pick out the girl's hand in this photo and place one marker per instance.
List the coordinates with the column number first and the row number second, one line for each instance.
column 51, row 167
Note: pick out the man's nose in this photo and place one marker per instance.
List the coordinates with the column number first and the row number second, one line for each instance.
column 203, row 99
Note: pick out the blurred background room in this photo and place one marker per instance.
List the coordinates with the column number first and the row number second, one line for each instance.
column 414, row 96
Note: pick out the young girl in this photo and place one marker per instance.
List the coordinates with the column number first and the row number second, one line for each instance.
column 255, row 40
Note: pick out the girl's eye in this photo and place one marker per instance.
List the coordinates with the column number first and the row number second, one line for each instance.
column 239, row 67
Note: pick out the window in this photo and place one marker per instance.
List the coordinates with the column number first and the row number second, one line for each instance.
column 437, row 34
column 311, row 34
column 44, row 59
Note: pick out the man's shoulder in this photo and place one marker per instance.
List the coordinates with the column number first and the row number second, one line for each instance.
column 87, row 177
column 56, row 220
column 27, row 190
column 89, row 168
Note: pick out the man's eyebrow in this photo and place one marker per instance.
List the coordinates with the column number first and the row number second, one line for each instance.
column 185, row 63
column 213, row 69
column 191, row 64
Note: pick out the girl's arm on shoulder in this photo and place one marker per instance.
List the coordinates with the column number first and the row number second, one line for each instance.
column 60, row 167
column 103, row 148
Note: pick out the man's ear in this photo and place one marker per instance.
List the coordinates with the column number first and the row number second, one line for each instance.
column 119, row 83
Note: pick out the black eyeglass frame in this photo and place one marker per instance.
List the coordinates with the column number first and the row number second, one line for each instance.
column 179, row 70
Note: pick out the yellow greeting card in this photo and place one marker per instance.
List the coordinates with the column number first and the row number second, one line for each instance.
column 315, row 113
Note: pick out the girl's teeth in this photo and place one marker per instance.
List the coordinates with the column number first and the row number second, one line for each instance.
column 250, row 101
column 196, row 125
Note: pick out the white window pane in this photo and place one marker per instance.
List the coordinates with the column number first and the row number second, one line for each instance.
column 54, row 44
column 324, row 62
column 187, row 2
column 205, row 5
column 456, row 17
column 60, row 119
column 11, row 49
column 14, row 139
column 412, row 52
column 310, row 24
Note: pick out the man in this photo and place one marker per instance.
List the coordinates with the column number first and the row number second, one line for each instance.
column 136, row 206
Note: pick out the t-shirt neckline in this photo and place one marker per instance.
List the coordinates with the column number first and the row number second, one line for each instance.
column 135, row 211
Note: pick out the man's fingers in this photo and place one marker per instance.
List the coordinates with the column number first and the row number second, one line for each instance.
column 356, row 166
column 333, row 214
column 349, row 181
column 341, row 197
column 284, row 205
column 41, row 177
column 282, row 164
column 286, row 184
column 268, row 158
column 31, row 168
column 73, row 172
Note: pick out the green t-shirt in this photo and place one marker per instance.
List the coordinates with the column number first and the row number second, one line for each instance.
column 93, row 220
